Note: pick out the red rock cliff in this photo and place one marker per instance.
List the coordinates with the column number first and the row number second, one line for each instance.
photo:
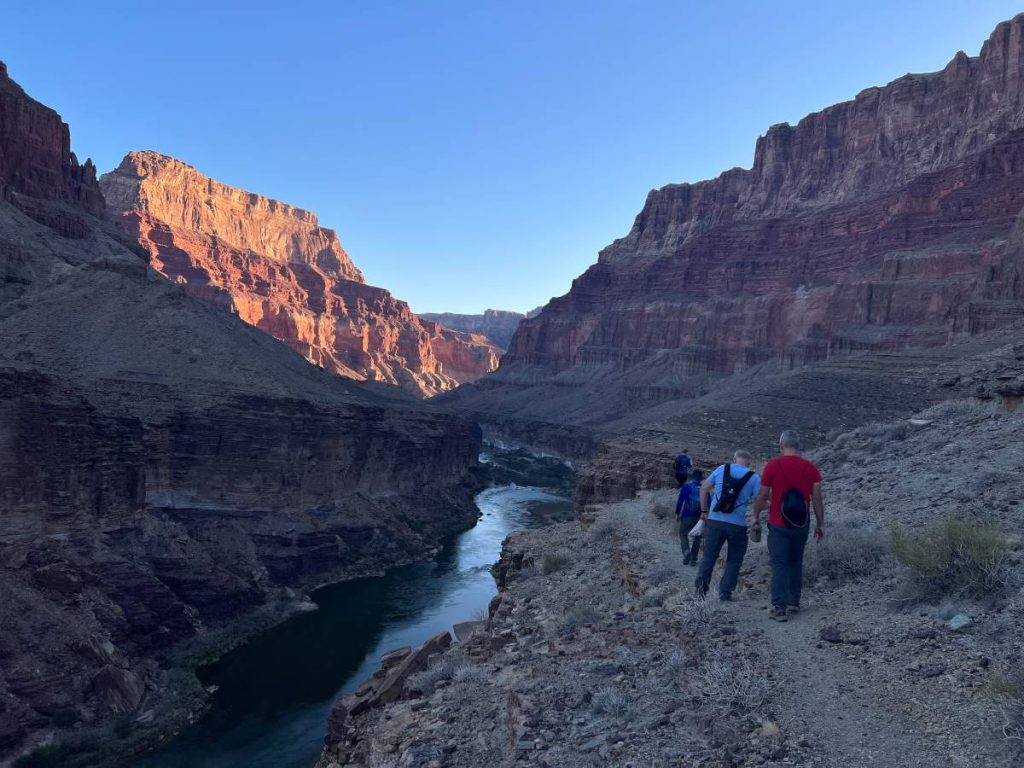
column 165, row 468
column 285, row 274
column 878, row 223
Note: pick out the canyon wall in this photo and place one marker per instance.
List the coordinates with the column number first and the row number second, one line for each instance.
column 167, row 470
column 497, row 325
column 885, row 222
column 285, row 274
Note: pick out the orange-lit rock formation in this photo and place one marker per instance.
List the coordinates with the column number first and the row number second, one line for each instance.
column 285, row 274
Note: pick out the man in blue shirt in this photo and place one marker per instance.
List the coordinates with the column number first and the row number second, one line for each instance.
column 723, row 503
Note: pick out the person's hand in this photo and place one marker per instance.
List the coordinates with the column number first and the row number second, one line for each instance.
column 819, row 532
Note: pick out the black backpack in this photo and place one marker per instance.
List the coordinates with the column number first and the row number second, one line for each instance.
column 794, row 508
column 731, row 488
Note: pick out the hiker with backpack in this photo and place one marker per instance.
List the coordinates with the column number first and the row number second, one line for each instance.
column 688, row 512
column 724, row 497
column 683, row 465
column 792, row 484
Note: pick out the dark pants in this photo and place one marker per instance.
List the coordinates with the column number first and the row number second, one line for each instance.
column 716, row 535
column 786, row 550
column 690, row 551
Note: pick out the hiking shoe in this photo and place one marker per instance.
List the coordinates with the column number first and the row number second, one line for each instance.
column 778, row 614
column 791, row 609
column 687, row 560
column 725, row 598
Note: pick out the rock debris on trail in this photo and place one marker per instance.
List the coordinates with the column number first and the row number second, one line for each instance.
column 596, row 653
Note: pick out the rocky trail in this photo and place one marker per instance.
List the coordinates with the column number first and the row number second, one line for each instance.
column 596, row 653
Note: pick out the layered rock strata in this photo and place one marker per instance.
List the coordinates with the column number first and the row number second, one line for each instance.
column 499, row 326
column 285, row 274
column 877, row 224
column 166, row 469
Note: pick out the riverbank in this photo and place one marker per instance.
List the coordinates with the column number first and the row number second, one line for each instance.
column 596, row 653
column 273, row 693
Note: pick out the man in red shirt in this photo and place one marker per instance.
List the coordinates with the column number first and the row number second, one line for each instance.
column 794, row 485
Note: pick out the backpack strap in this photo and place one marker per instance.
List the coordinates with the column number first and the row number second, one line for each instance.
column 743, row 481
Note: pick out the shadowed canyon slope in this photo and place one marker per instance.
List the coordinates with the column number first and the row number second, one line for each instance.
column 165, row 467
column 878, row 224
column 285, row 274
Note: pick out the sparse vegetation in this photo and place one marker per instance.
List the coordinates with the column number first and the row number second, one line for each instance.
column 956, row 555
column 696, row 613
column 610, row 701
column 675, row 663
column 662, row 509
column 442, row 669
column 553, row 561
column 470, row 674
column 577, row 616
column 1008, row 690
column 602, row 529
column 733, row 684
column 846, row 554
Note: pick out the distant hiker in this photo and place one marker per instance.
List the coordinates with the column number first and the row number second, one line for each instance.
column 724, row 497
column 794, row 485
column 683, row 465
column 688, row 512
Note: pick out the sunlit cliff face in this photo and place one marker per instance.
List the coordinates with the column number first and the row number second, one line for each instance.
column 285, row 274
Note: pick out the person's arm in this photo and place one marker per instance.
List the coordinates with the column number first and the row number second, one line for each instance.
column 819, row 511
column 705, row 497
column 683, row 493
column 760, row 502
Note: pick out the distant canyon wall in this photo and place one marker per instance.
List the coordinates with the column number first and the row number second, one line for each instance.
column 497, row 325
column 888, row 221
column 285, row 274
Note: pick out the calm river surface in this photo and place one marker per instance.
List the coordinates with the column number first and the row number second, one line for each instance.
column 276, row 691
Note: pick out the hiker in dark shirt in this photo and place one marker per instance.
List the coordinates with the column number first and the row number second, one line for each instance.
column 683, row 465
column 793, row 485
column 724, row 497
column 688, row 513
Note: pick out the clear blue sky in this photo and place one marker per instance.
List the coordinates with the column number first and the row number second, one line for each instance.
column 470, row 154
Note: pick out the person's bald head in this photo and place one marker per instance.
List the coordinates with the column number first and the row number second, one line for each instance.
column 742, row 457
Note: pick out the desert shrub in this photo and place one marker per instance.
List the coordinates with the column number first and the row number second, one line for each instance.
column 553, row 561
column 733, row 685
column 662, row 573
column 696, row 612
column 662, row 509
column 956, row 555
column 609, row 700
column 1007, row 688
column 847, row 553
column 675, row 663
column 441, row 669
column 577, row 616
column 602, row 529
column 470, row 674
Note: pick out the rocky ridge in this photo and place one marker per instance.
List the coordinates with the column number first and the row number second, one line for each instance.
column 280, row 271
column 884, row 223
column 166, row 470
column 497, row 325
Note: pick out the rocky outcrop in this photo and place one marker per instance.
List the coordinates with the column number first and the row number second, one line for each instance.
column 881, row 223
column 166, row 470
column 285, row 274
column 496, row 324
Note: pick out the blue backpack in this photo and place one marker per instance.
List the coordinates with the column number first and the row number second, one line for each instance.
column 691, row 501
